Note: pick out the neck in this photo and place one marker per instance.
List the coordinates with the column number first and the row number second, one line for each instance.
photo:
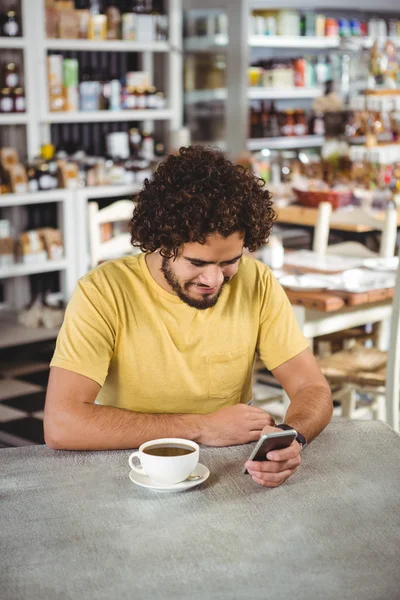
column 154, row 261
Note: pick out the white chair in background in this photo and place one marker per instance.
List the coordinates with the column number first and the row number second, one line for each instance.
column 117, row 246
column 359, row 216
column 370, row 371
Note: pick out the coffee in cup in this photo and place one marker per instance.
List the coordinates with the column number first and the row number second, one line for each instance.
column 167, row 460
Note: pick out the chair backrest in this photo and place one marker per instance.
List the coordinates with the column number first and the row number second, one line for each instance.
column 117, row 246
column 356, row 216
column 393, row 365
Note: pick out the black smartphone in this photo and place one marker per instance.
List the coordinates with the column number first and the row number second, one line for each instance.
column 271, row 441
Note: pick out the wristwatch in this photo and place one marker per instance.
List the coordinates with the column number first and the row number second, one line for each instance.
column 300, row 438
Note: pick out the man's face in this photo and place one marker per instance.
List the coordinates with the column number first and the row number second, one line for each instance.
column 200, row 271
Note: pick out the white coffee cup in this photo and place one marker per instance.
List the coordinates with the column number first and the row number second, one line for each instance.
column 166, row 469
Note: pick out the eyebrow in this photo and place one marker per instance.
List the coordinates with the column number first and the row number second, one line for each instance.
column 210, row 262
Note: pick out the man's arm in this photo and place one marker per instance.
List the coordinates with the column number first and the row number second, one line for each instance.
column 73, row 422
column 311, row 406
column 309, row 413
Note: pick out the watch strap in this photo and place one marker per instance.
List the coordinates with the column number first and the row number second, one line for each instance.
column 300, row 438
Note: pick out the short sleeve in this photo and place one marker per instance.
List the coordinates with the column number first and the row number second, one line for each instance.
column 86, row 340
column 279, row 337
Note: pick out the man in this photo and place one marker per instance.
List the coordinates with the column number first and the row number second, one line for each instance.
column 163, row 344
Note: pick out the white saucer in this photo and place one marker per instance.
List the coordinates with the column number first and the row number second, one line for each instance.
column 145, row 481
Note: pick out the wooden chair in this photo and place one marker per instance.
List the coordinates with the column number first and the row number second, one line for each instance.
column 118, row 245
column 370, row 371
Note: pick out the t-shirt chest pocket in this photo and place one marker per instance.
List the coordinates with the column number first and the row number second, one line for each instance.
column 227, row 372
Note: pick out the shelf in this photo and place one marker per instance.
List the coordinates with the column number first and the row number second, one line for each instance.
column 10, row 43
column 108, row 116
column 19, row 270
column 213, row 43
column 255, row 93
column 106, row 46
column 109, row 191
column 14, row 119
column 33, row 198
column 283, row 41
column 297, row 93
column 278, row 143
column 216, row 43
column 13, row 334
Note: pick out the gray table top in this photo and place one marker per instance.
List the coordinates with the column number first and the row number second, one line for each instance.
column 73, row 526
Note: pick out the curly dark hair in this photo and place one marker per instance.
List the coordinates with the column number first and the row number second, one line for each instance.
column 198, row 192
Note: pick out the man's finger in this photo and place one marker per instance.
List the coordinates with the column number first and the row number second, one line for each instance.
column 268, row 466
column 272, row 479
column 285, row 453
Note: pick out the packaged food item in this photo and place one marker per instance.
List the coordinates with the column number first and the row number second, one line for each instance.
column 6, row 101
column 320, row 25
column 18, row 179
column 331, row 28
column 129, row 26
column 113, row 14
column 8, row 157
column 300, row 67
column 71, row 96
column 83, row 19
column 97, row 27
column 19, row 100
column 52, row 242
column 70, row 72
column 51, row 20
column 68, row 24
column 55, row 69
column 56, row 98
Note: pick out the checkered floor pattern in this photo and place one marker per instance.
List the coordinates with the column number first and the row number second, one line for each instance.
column 24, row 374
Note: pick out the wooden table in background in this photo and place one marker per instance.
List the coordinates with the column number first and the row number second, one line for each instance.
column 295, row 214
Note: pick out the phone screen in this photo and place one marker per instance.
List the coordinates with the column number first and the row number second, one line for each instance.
column 269, row 442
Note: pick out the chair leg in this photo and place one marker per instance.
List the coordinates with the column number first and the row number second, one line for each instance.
column 379, row 408
column 348, row 401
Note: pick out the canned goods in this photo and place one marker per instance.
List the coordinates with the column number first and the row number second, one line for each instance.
column 344, row 28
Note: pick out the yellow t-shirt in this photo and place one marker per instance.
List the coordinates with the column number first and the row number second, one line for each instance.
column 153, row 353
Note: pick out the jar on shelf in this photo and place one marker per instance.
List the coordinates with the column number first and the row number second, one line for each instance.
column 11, row 78
column 19, row 100
column 6, row 101
column 10, row 26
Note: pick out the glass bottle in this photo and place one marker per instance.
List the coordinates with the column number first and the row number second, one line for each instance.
column 6, row 101
column 19, row 100
column 113, row 14
column 10, row 27
column 11, row 76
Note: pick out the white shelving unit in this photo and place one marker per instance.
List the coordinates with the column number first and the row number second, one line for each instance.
column 15, row 119
column 12, row 43
column 239, row 47
column 21, row 270
column 108, row 116
column 72, row 205
column 255, row 93
column 106, row 46
column 287, row 143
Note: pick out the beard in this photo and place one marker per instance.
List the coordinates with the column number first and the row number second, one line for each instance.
column 182, row 291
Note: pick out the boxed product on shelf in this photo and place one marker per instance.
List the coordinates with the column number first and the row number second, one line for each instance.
column 8, row 157
column 18, row 179
column 30, row 248
column 53, row 243
column 6, row 244
column 55, row 69
column 6, row 251
column 68, row 25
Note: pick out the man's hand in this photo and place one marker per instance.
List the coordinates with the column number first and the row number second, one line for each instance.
column 281, row 464
column 232, row 425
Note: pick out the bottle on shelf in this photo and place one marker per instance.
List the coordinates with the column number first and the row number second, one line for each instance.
column 6, row 101
column 19, row 100
column 97, row 22
column 11, row 77
column 113, row 14
column 10, row 26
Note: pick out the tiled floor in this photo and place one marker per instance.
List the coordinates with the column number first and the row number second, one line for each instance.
column 23, row 383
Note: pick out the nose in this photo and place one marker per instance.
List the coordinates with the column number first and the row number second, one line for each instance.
column 212, row 276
